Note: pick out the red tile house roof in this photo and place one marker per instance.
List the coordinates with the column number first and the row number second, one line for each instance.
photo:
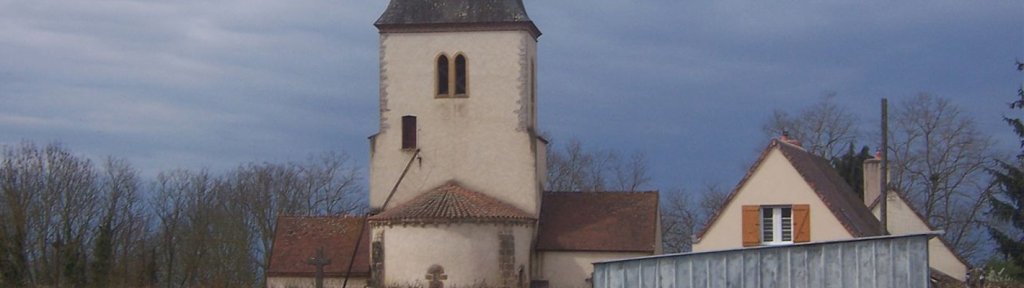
column 451, row 202
column 297, row 239
column 598, row 221
column 825, row 181
column 833, row 190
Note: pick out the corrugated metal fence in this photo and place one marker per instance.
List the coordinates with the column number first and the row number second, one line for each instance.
column 888, row 261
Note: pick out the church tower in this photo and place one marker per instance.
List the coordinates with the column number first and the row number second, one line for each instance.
column 456, row 170
column 456, row 167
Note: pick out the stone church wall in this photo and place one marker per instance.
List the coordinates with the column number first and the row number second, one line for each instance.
column 469, row 254
column 477, row 140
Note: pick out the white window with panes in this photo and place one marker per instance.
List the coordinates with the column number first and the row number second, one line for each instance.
column 776, row 225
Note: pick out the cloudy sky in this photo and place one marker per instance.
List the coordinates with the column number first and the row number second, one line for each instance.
column 192, row 84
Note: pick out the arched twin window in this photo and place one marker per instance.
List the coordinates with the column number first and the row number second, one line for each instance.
column 451, row 79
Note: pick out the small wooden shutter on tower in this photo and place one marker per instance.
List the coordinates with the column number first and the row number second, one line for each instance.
column 751, row 225
column 801, row 223
column 408, row 132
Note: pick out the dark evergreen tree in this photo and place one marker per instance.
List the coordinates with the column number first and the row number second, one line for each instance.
column 1008, row 219
column 850, row 166
column 102, row 253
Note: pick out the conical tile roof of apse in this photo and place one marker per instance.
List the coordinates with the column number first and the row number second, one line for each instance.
column 450, row 203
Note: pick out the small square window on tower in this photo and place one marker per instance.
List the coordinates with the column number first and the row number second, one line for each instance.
column 408, row 132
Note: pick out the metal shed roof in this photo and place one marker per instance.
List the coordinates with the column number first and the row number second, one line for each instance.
column 884, row 261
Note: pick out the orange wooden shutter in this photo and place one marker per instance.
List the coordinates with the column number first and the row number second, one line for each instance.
column 802, row 223
column 751, row 225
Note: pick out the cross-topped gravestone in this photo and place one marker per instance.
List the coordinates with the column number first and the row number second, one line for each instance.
column 319, row 261
column 435, row 274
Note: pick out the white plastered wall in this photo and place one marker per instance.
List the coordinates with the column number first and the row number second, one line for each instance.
column 774, row 182
column 483, row 141
column 902, row 220
column 571, row 269
column 542, row 170
column 469, row 253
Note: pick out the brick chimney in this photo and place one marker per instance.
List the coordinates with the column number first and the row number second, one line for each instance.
column 785, row 139
column 872, row 176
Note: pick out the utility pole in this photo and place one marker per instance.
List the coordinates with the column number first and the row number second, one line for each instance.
column 884, row 178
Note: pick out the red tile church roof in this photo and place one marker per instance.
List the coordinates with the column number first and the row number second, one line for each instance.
column 297, row 239
column 598, row 221
column 451, row 203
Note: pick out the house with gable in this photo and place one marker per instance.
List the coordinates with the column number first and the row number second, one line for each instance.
column 791, row 196
column 457, row 170
column 903, row 218
column 787, row 196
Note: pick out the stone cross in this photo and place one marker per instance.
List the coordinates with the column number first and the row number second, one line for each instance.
column 319, row 261
column 435, row 274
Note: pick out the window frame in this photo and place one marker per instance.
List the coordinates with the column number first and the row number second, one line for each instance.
column 452, row 75
column 446, row 77
column 777, row 224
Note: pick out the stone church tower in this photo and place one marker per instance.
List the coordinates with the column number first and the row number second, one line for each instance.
column 456, row 167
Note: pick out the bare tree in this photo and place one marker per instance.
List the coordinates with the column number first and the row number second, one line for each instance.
column 120, row 202
column 119, row 250
column 170, row 206
column 823, row 128
column 51, row 196
column 679, row 221
column 712, row 200
column 71, row 196
column 683, row 215
column 21, row 177
column 631, row 175
column 323, row 185
column 570, row 170
column 63, row 222
column 939, row 161
column 228, row 261
column 576, row 169
column 57, row 224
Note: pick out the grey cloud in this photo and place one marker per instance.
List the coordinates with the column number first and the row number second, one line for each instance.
column 215, row 83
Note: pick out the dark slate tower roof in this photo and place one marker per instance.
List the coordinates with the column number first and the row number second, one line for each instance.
column 448, row 15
